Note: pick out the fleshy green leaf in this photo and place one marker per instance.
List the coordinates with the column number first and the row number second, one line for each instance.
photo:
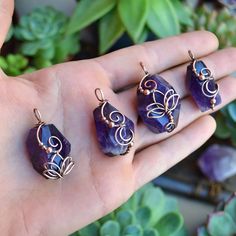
column 183, row 12
column 110, row 228
column 222, row 130
column 220, row 224
column 110, row 30
column 87, row 12
column 30, row 48
column 162, row 19
column 110, row 216
column 133, row 14
column 232, row 110
column 170, row 223
column 92, row 229
column 230, row 207
column 154, row 199
column 143, row 35
column 143, row 216
column 133, row 230
column 3, row 63
column 150, row 232
column 125, row 217
column 67, row 46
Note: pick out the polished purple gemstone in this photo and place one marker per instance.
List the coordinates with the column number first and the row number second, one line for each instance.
column 49, row 135
column 155, row 112
column 218, row 162
column 197, row 86
column 114, row 140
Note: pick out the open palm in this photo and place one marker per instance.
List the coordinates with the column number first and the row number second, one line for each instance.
column 32, row 205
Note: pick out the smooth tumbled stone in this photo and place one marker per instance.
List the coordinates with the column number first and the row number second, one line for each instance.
column 194, row 85
column 39, row 157
column 106, row 134
column 157, row 125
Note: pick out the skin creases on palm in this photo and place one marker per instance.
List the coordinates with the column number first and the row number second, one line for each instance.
column 64, row 94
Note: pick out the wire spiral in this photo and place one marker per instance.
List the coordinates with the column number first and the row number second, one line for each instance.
column 157, row 110
column 206, row 76
column 51, row 169
column 117, row 120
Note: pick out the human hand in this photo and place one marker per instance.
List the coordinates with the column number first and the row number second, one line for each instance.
column 32, row 205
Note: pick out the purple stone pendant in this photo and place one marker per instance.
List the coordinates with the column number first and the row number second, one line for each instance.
column 49, row 150
column 202, row 86
column 115, row 132
column 158, row 103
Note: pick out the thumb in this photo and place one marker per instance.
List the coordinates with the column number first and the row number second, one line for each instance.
column 6, row 11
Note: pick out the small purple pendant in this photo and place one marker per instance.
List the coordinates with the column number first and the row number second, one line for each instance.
column 158, row 103
column 115, row 132
column 49, row 151
column 202, row 85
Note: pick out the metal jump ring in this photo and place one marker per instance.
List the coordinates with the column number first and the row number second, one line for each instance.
column 99, row 95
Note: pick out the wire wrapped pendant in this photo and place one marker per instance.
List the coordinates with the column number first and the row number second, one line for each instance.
column 115, row 132
column 158, row 103
column 202, row 86
column 49, row 150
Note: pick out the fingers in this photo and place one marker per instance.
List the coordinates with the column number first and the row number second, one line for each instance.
column 6, row 11
column 221, row 63
column 189, row 112
column 155, row 160
column 123, row 65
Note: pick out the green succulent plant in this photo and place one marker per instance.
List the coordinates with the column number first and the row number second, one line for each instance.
column 147, row 213
column 135, row 17
column 42, row 33
column 226, row 120
column 222, row 222
column 15, row 64
column 220, row 22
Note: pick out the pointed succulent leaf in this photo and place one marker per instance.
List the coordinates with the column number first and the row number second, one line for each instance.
column 162, row 19
column 133, row 14
column 183, row 12
column 110, row 29
column 87, row 12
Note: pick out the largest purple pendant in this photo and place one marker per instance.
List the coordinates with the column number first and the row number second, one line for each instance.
column 115, row 132
column 202, row 86
column 49, row 151
column 158, row 104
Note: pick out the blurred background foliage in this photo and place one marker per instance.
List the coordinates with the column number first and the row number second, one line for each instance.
column 47, row 36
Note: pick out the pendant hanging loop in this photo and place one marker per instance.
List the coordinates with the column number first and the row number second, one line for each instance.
column 144, row 68
column 100, row 95
column 191, row 55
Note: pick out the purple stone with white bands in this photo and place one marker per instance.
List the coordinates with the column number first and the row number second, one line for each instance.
column 158, row 104
column 115, row 132
column 202, row 86
column 49, row 151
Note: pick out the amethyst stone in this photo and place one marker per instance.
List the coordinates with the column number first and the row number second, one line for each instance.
column 218, row 162
column 115, row 132
column 49, row 151
column 202, row 86
column 158, row 104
